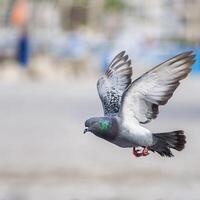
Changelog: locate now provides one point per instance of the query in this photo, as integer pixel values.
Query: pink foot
(137, 152)
(145, 151)
(140, 152)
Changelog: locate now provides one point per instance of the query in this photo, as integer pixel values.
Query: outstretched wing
(112, 85)
(154, 88)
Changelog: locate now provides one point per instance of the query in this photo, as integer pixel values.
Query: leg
(145, 151)
(137, 152)
(140, 152)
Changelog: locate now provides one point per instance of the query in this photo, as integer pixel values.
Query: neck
(108, 129)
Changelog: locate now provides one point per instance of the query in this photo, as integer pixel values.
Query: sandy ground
(44, 155)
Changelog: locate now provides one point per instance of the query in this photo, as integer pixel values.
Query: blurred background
(51, 55)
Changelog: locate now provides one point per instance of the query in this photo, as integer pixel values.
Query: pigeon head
(103, 127)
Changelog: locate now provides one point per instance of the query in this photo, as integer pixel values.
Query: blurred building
(74, 29)
(189, 17)
(169, 19)
(162, 18)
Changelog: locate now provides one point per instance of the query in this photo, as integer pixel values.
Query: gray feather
(112, 85)
(155, 87)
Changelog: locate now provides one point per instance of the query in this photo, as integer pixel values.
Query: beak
(86, 130)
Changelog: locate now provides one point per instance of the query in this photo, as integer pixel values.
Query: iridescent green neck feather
(104, 125)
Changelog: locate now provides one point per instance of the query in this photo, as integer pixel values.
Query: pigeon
(129, 104)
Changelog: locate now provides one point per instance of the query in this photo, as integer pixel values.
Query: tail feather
(164, 142)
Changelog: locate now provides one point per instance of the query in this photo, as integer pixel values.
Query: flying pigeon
(129, 104)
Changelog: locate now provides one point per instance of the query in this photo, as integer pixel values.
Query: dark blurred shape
(78, 16)
(23, 49)
(74, 15)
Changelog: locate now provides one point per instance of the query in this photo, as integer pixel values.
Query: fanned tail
(164, 142)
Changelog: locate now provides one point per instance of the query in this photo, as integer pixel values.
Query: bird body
(121, 134)
(132, 135)
(128, 104)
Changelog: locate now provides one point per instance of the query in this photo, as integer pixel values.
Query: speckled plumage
(112, 85)
(127, 104)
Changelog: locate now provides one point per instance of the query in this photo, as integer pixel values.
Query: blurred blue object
(172, 50)
(76, 46)
(23, 50)
(196, 65)
(104, 52)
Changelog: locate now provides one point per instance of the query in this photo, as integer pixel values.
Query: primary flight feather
(128, 104)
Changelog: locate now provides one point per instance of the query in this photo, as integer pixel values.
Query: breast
(133, 135)
(123, 138)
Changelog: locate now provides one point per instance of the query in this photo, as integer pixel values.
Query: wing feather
(112, 85)
(143, 97)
